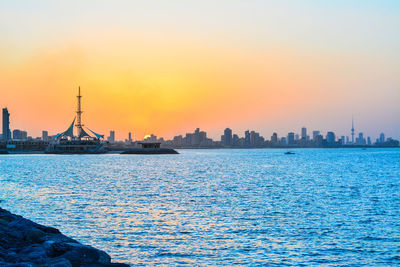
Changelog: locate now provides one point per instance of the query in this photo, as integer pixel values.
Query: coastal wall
(25, 243)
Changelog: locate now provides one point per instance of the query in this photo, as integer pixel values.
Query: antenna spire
(79, 114)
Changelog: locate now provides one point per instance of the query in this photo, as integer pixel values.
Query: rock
(34, 235)
(25, 243)
(58, 262)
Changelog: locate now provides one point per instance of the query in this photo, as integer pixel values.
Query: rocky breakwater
(25, 243)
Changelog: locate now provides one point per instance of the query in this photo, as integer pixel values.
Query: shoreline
(26, 243)
(117, 152)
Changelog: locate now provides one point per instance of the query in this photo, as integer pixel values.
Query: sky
(168, 67)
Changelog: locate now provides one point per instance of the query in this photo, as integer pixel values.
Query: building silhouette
(227, 137)
(111, 138)
(304, 133)
(6, 125)
(330, 138)
(290, 138)
(45, 135)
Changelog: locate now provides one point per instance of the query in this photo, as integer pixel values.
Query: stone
(25, 243)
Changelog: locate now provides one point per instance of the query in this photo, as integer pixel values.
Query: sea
(222, 207)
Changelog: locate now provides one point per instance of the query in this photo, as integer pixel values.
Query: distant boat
(289, 153)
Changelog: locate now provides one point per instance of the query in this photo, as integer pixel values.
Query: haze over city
(168, 67)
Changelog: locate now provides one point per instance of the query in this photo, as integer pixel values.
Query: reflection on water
(217, 207)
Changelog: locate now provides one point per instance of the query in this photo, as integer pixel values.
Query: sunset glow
(183, 65)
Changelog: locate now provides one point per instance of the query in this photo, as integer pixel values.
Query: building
(330, 138)
(314, 135)
(111, 138)
(360, 140)
(304, 133)
(227, 137)
(274, 138)
(130, 137)
(382, 138)
(16, 134)
(319, 140)
(235, 140)
(45, 135)
(6, 125)
(247, 141)
(290, 138)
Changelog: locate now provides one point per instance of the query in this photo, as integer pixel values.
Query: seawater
(217, 207)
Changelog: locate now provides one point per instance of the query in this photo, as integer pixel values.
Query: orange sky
(170, 81)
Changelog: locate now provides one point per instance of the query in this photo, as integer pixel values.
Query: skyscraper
(382, 138)
(227, 137)
(314, 135)
(6, 125)
(290, 138)
(274, 138)
(330, 138)
(130, 137)
(111, 138)
(304, 133)
(247, 140)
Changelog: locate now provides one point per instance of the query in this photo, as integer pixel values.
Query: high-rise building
(130, 137)
(111, 138)
(247, 140)
(235, 140)
(274, 138)
(45, 135)
(314, 135)
(290, 138)
(304, 133)
(6, 125)
(360, 140)
(283, 141)
(330, 138)
(227, 137)
(382, 138)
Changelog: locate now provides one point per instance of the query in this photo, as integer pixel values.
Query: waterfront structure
(6, 125)
(82, 143)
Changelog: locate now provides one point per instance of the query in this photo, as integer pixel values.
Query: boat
(81, 143)
(289, 153)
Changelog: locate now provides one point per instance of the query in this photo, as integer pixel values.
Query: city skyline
(285, 65)
(228, 139)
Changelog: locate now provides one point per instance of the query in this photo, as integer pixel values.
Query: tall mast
(79, 114)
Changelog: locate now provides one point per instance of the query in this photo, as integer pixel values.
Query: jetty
(26, 243)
